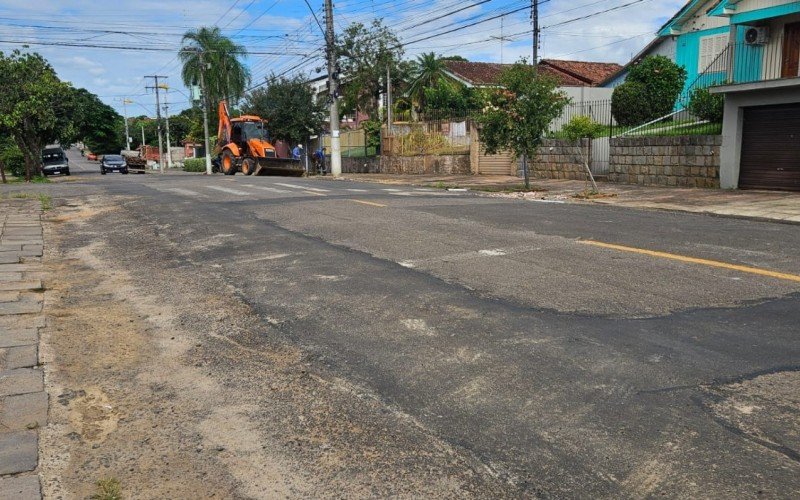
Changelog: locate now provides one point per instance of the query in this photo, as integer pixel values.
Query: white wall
(584, 94)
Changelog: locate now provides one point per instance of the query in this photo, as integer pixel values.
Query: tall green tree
(428, 73)
(220, 60)
(34, 105)
(94, 123)
(520, 112)
(289, 107)
(649, 91)
(364, 56)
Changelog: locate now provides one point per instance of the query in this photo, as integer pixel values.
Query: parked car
(91, 156)
(113, 163)
(54, 161)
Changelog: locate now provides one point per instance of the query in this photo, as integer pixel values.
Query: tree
(578, 129)
(365, 54)
(649, 91)
(444, 96)
(289, 107)
(94, 123)
(428, 73)
(220, 60)
(520, 112)
(34, 105)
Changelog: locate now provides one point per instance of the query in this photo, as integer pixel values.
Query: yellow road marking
(369, 203)
(313, 192)
(695, 260)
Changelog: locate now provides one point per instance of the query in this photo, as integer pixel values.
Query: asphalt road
(573, 350)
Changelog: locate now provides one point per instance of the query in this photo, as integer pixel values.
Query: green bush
(194, 165)
(707, 106)
(629, 104)
(12, 158)
(649, 92)
(582, 127)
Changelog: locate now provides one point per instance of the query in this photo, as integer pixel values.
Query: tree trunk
(526, 173)
(586, 164)
(3, 171)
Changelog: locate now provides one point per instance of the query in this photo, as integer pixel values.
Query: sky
(108, 47)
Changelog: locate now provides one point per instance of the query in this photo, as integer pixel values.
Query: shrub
(194, 165)
(629, 104)
(707, 106)
(12, 158)
(649, 91)
(582, 127)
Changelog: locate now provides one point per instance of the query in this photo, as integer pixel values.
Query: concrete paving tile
(9, 296)
(25, 411)
(13, 337)
(21, 306)
(19, 452)
(16, 241)
(22, 230)
(19, 268)
(6, 276)
(24, 356)
(21, 381)
(9, 257)
(34, 249)
(10, 248)
(20, 285)
(21, 487)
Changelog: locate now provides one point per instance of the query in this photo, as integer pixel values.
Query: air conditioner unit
(758, 35)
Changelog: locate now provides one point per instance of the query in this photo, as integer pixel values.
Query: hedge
(194, 165)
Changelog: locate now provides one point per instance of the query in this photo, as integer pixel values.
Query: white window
(710, 48)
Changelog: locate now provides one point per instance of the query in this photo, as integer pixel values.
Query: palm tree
(429, 70)
(220, 60)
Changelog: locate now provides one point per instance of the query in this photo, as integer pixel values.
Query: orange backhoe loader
(243, 145)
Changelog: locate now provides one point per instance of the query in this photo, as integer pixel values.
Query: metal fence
(353, 144)
(449, 135)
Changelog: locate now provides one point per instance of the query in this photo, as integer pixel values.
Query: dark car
(54, 161)
(113, 163)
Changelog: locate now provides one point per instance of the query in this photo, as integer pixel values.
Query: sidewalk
(23, 402)
(772, 205)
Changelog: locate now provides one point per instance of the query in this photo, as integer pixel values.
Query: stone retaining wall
(427, 164)
(365, 165)
(687, 161)
(560, 159)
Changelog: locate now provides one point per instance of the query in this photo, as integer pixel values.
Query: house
(760, 79)
(578, 79)
(748, 50)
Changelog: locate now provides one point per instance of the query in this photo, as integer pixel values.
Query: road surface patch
(266, 188)
(368, 203)
(230, 191)
(295, 186)
(694, 260)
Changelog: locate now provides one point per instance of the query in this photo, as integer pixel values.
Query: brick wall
(427, 164)
(687, 161)
(560, 159)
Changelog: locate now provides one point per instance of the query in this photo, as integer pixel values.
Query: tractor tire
(248, 166)
(228, 163)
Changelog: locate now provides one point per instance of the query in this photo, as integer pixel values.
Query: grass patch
(45, 199)
(516, 188)
(37, 179)
(443, 185)
(108, 489)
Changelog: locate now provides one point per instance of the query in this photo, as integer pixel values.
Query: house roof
(635, 59)
(568, 73)
(689, 9)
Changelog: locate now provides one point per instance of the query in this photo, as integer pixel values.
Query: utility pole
(389, 104)
(535, 21)
(502, 39)
(144, 144)
(156, 87)
(125, 103)
(204, 103)
(330, 40)
(166, 118)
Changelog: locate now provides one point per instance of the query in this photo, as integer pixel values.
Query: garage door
(771, 148)
(499, 164)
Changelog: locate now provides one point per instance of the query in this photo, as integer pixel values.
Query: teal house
(749, 51)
